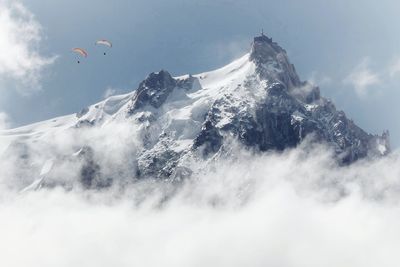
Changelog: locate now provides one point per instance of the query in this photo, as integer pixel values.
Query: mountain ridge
(258, 100)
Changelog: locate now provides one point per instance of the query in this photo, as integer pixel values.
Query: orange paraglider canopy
(80, 51)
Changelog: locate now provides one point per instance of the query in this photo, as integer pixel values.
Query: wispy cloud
(109, 92)
(229, 50)
(20, 36)
(362, 78)
(4, 121)
(394, 69)
(319, 79)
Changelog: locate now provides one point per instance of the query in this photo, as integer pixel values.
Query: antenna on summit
(262, 32)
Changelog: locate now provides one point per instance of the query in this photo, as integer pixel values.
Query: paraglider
(105, 43)
(81, 52)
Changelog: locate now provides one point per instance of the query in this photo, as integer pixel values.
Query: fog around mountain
(291, 209)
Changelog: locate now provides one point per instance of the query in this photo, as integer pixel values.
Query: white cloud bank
(268, 211)
(20, 36)
(291, 209)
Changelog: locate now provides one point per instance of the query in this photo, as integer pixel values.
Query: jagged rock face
(272, 62)
(154, 90)
(258, 100)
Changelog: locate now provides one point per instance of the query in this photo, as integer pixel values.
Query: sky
(350, 48)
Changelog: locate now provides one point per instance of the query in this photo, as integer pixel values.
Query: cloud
(362, 78)
(394, 69)
(295, 208)
(4, 121)
(20, 36)
(275, 210)
(228, 50)
(319, 79)
(109, 92)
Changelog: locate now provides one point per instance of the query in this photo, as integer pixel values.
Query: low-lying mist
(294, 208)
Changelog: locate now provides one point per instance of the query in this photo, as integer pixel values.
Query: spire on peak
(262, 38)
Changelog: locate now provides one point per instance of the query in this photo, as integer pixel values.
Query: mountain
(257, 100)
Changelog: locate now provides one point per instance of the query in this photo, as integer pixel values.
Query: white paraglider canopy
(104, 42)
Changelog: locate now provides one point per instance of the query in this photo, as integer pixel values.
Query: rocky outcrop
(154, 90)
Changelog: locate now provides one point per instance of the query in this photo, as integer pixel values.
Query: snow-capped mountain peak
(258, 100)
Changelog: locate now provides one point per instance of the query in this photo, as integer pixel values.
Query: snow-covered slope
(258, 100)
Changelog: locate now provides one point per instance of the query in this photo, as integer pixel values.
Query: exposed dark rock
(272, 62)
(82, 112)
(154, 90)
(189, 83)
(90, 170)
